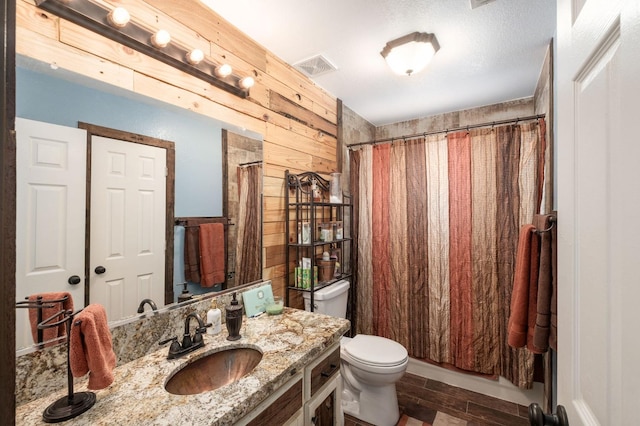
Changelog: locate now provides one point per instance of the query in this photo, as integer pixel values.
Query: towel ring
(552, 220)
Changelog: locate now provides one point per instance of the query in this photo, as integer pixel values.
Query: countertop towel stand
(39, 304)
(73, 404)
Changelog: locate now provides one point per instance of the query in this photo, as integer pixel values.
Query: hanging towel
(525, 288)
(553, 331)
(212, 255)
(192, 251)
(546, 283)
(91, 349)
(52, 332)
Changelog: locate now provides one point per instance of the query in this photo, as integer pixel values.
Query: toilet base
(377, 405)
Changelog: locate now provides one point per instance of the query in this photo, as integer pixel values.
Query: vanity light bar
(96, 18)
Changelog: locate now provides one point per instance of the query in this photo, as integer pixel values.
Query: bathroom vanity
(297, 379)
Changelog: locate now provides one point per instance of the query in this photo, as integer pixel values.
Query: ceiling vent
(477, 3)
(315, 66)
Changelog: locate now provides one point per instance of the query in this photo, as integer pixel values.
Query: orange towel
(525, 289)
(52, 332)
(212, 255)
(91, 349)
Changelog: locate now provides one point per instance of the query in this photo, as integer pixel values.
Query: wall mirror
(210, 157)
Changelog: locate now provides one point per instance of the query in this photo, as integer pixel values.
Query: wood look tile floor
(439, 404)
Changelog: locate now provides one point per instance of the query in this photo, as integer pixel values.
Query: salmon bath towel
(212, 255)
(525, 289)
(62, 301)
(91, 348)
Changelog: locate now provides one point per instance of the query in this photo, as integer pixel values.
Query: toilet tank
(330, 300)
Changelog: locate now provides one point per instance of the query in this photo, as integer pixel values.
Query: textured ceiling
(489, 54)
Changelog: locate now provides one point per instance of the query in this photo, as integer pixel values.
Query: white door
(50, 214)
(598, 204)
(128, 205)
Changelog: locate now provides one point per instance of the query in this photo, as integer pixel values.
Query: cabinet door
(324, 408)
(324, 414)
(281, 408)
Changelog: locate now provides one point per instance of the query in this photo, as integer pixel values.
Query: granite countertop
(137, 396)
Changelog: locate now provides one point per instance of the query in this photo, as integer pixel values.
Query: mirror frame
(8, 213)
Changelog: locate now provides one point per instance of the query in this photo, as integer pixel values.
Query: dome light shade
(411, 53)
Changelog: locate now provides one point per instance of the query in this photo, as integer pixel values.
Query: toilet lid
(376, 350)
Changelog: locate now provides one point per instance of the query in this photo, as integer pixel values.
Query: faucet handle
(203, 329)
(197, 337)
(164, 342)
(175, 345)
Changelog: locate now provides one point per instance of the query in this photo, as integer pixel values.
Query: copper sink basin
(213, 371)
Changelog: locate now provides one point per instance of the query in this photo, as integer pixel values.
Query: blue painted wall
(198, 139)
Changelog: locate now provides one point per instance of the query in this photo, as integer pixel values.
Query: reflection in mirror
(243, 204)
(63, 98)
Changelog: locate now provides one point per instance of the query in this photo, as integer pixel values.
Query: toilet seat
(376, 351)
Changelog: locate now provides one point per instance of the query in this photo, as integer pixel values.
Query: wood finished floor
(422, 399)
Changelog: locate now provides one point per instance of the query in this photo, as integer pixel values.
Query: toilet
(370, 366)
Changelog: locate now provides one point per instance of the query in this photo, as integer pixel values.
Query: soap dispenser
(233, 319)
(185, 294)
(214, 318)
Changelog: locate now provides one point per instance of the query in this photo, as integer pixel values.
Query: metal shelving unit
(303, 209)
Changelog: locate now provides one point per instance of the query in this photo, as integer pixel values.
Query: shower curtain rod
(453, 129)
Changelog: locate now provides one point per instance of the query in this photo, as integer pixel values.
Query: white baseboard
(502, 388)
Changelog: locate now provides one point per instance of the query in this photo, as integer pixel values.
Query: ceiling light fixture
(115, 24)
(411, 53)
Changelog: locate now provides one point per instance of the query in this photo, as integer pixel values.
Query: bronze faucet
(149, 302)
(189, 344)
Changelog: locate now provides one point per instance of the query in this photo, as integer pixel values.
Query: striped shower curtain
(436, 227)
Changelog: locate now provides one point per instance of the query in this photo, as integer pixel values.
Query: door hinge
(166, 171)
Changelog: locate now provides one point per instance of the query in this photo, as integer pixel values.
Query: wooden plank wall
(297, 119)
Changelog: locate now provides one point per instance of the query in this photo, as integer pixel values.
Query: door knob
(74, 279)
(100, 270)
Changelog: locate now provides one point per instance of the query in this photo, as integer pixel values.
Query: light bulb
(223, 70)
(160, 39)
(118, 17)
(195, 56)
(247, 82)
